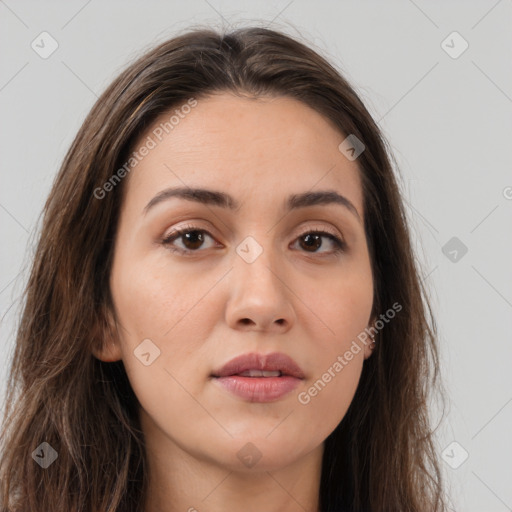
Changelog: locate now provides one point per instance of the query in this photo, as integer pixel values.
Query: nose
(260, 297)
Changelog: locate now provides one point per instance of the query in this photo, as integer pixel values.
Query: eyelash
(340, 245)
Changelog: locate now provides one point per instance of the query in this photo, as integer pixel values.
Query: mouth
(254, 365)
(260, 373)
(260, 378)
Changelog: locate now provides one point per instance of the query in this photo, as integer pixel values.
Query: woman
(224, 310)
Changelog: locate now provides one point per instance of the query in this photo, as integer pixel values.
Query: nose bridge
(258, 290)
(257, 262)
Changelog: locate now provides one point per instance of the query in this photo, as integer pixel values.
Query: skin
(204, 309)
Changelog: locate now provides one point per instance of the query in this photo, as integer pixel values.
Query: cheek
(153, 304)
(342, 305)
(152, 301)
(172, 310)
(339, 310)
(342, 309)
(339, 354)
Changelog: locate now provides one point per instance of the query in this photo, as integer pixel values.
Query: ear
(105, 344)
(370, 343)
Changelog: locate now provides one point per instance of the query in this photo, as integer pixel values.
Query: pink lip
(253, 361)
(260, 389)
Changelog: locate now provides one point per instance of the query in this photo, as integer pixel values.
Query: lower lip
(259, 389)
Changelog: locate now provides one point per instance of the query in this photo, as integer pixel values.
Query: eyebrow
(223, 200)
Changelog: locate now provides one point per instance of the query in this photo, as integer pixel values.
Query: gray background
(448, 122)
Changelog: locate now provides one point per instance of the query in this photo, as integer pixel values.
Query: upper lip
(264, 362)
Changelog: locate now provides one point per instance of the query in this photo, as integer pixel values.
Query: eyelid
(186, 227)
(301, 231)
(322, 228)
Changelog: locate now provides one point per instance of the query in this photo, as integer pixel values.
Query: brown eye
(313, 241)
(191, 238)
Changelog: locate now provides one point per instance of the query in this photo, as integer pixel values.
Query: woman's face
(248, 277)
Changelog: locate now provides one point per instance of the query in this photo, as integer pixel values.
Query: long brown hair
(381, 457)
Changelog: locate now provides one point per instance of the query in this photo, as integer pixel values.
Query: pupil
(190, 238)
(313, 238)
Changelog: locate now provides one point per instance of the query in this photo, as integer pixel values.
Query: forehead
(264, 147)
